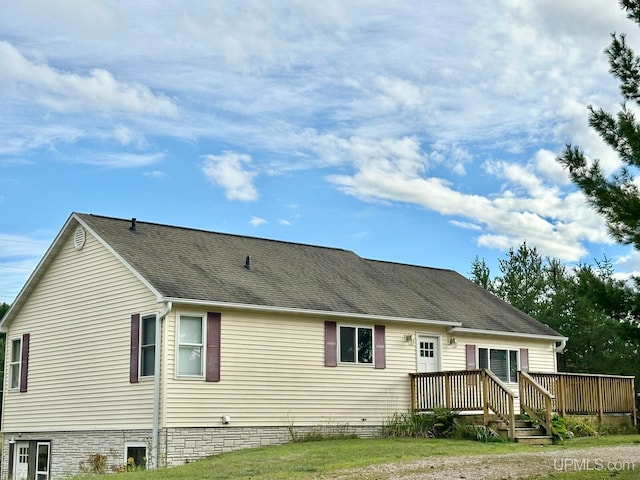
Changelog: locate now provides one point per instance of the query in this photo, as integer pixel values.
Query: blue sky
(419, 131)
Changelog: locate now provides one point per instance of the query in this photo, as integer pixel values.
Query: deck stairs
(525, 432)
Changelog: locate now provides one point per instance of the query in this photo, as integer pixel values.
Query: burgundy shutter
(24, 360)
(212, 371)
(524, 359)
(330, 344)
(379, 347)
(134, 355)
(471, 357)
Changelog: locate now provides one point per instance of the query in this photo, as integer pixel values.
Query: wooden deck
(539, 394)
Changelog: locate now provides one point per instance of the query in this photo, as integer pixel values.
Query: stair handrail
(505, 412)
(533, 394)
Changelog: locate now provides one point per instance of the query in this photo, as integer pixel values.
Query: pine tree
(616, 197)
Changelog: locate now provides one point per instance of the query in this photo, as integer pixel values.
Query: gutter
(532, 336)
(311, 313)
(560, 348)
(156, 385)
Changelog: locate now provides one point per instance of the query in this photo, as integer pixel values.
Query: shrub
(95, 464)
(439, 423)
(559, 428)
(581, 427)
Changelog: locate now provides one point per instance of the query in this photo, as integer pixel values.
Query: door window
(42, 465)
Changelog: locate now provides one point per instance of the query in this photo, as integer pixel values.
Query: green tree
(523, 282)
(614, 195)
(480, 274)
(599, 313)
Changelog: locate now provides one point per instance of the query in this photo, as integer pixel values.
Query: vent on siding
(79, 238)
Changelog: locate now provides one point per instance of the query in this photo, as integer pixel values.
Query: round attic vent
(79, 238)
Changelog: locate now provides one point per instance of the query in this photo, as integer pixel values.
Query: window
(23, 454)
(135, 456)
(42, 465)
(504, 363)
(190, 346)
(16, 358)
(147, 346)
(356, 345)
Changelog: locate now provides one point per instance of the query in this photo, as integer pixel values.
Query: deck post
(414, 399)
(485, 396)
(600, 401)
(633, 402)
(447, 391)
(561, 393)
(512, 419)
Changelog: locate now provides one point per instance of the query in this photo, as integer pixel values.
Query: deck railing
(589, 394)
(464, 390)
(540, 394)
(500, 399)
(536, 401)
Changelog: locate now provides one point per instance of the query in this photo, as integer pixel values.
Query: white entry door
(21, 461)
(428, 353)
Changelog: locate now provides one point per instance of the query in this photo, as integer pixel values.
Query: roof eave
(46, 260)
(536, 336)
(34, 277)
(308, 312)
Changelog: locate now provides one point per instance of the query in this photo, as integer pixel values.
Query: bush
(439, 423)
(559, 428)
(581, 427)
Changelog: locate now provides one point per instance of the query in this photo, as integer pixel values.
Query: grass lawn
(324, 459)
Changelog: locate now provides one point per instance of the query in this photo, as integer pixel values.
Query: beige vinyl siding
(273, 373)
(78, 317)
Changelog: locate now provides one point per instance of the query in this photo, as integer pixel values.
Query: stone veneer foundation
(177, 445)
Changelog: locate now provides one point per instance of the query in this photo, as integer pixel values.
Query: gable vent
(79, 238)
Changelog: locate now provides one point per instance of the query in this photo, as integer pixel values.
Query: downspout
(156, 386)
(560, 348)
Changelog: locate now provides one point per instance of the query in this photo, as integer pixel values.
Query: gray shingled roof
(183, 263)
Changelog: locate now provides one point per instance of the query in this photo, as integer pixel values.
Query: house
(167, 344)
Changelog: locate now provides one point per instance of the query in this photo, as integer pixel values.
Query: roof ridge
(235, 235)
(390, 262)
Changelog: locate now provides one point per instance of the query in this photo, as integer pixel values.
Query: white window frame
(128, 445)
(15, 364)
(143, 346)
(203, 323)
(506, 349)
(356, 361)
(47, 473)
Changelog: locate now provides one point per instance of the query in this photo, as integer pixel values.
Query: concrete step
(535, 439)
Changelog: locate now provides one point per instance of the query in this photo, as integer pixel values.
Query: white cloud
(257, 221)
(526, 209)
(122, 160)
(396, 93)
(545, 164)
(465, 225)
(72, 92)
(228, 172)
(126, 136)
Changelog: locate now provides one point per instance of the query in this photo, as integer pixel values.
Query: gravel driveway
(516, 465)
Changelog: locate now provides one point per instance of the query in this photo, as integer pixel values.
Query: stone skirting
(71, 451)
(183, 444)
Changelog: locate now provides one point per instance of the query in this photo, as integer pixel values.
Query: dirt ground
(517, 465)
